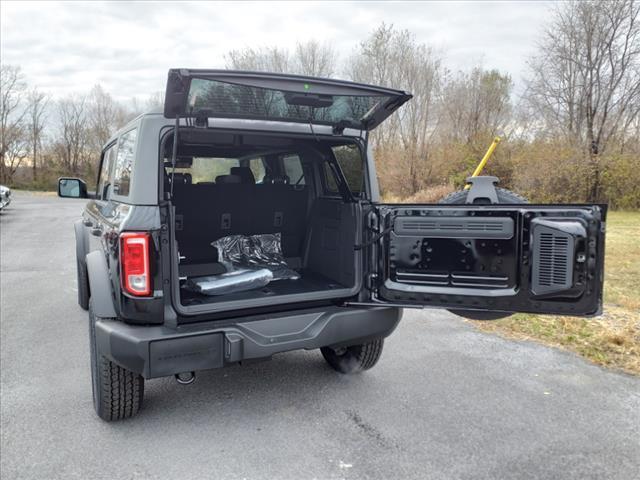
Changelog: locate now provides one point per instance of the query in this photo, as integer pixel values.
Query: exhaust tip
(185, 378)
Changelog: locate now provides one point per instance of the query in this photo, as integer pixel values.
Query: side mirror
(72, 188)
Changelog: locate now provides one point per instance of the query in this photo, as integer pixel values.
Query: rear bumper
(157, 351)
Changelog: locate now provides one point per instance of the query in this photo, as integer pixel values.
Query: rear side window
(105, 176)
(124, 163)
(293, 169)
(257, 168)
(350, 161)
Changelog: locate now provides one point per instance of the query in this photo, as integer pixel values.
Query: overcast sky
(66, 47)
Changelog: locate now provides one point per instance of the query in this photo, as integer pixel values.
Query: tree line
(571, 135)
(43, 138)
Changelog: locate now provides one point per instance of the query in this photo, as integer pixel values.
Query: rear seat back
(245, 174)
(206, 212)
(280, 208)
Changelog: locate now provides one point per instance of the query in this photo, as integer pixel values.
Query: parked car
(245, 220)
(5, 196)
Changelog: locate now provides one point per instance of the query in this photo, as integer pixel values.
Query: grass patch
(613, 339)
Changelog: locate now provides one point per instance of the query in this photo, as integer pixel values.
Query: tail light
(134, 255)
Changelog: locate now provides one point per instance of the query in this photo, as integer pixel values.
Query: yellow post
(484, 160)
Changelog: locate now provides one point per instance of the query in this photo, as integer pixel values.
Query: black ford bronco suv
(245, 221)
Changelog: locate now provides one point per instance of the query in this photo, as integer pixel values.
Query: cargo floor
(307, 283)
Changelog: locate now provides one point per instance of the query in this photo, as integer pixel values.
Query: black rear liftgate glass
(201, 94)
(538, 259)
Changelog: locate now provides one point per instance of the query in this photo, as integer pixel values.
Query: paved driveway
(445, 401)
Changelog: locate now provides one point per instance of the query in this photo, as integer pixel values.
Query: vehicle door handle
(97, 231)
(87, 223)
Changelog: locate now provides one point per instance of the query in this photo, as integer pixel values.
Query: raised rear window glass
(124, 163)
(241, 101)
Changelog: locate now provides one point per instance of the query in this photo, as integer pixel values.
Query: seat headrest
(245, 174)
(182, 178)
(276, 179)
(281, 179)
(228, 179)
(184, 162)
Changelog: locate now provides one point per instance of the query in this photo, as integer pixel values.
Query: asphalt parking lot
(445, 401)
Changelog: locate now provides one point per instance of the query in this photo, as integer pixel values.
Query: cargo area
(246, 186)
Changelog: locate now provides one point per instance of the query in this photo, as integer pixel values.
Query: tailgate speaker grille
(553, 253)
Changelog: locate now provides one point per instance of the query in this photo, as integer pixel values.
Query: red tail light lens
(134, 255)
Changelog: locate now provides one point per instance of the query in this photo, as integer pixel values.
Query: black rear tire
(355, 358)
(460, 197)
(117, 392)
(83, 285)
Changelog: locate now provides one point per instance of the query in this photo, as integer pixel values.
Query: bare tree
(74, 132)
(155, 100)
(105, 116)
(37, 102)
(133, 108)
(476, 106)
(373, 61)
(314, 59)
(585, 81)
(137, 106)
(263, 59)
(12, 128)
(393, 57)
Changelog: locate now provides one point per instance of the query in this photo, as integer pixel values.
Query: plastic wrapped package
(254, 252)
(234, 281)
(251, 263)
